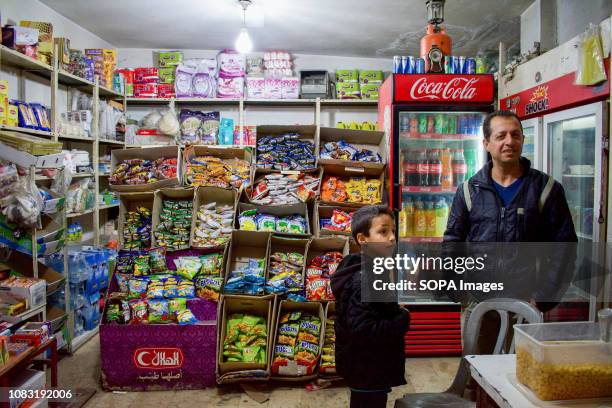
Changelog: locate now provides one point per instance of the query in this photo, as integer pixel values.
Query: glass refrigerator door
(532, 130)
(573, 157)
(437, 152)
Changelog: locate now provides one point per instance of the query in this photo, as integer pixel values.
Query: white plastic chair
(453, 396)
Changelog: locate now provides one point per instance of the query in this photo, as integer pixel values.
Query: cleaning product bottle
(447, 168)
(441, 210)
(430, 219)
(410, 218)
(420, 222)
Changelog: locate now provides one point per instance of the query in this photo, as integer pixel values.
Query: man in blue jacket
(508, 201)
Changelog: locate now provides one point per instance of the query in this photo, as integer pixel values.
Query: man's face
(506, 142)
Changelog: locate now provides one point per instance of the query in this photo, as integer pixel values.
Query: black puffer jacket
(369, 336)
(489, 221)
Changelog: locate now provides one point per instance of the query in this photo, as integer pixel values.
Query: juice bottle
(420, 223)
(441, 210)
(409, 209)
(447, 168)
(403, 222)
(430, 219)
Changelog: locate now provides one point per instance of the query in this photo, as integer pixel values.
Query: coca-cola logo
(155, 358)
(459, 88)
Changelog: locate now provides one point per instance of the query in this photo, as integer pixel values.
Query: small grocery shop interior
(178, 183)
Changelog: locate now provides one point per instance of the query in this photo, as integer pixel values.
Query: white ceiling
(363, 28)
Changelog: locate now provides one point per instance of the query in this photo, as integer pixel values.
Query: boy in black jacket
(369, 336)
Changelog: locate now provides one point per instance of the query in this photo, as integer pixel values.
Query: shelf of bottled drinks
(438, 152)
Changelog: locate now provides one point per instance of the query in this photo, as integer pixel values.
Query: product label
(459, 168)
(422, 168)
(435, 168)
(158, 358)
(410, 168)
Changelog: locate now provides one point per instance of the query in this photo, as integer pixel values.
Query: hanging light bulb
(243, 43)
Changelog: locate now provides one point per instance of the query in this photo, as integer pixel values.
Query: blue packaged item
(41, 114)
(226, 132)
(91, 263)
(296, 297)
(25, 115)
(185, 317)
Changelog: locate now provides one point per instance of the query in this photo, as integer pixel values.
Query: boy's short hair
(362, 219)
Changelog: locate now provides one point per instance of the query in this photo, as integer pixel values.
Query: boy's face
(381, 230)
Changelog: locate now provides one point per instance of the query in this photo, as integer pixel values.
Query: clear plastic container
(563, 361)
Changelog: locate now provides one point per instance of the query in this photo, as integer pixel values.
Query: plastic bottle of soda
(409, 210)
(470, 162)
(423, 168)
(420, 222)
(410, 168)
(441, 124)
(414, 123)
(403, 222)
(441, 210)
(451, 124)
(459, 167)
(422, 122)
(435, 168)
(431, 124)
(404, 125)
(430, 219)
(447, 168)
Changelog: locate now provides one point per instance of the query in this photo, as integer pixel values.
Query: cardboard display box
(130, 202)
(345, 173)
(360, 139)
(247, 244)
(222, 152)
(177, 194)
(278, 211)
(329, 372)
(245, 197)
(293, 371)
(307, 133)
(286, 245)
(265, 306)
(152, 153)
(207, 195)
(323, 245)
(326, 211)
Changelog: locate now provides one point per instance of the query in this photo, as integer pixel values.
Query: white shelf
(114, 142)
(19, 60)
(134, 146)
(25, 130)
(579, 175)
(79, 214)
(66, 78)
(25, 315)
(81, 175)
(345, 102)
(104, 207)
(104, 91)
(76, 138)
(78, 341)
(23, 159)
(294, 102)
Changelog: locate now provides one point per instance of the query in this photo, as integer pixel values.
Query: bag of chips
(159, 311)
(137, 288)
(188, 267)
(157, 258)
(138, 311)
(185, 317)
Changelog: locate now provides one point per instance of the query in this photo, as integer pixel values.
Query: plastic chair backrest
(470, 338)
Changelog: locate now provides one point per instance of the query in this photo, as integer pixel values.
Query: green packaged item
(346, 90)
(157, 259)
(261, 358)
(166, 75)
(113, 314)
(311, 325)
(290, 317)
(250, 354)
(188, 267)
(208, 287)
(259, 330)
(232, 329)
(212, 264)
(141, 265)
(137, 288)
(155, 290)
(185, 317)
(367, 76)
(176, 305)
(159, 311)
(171, 288)
(347, 75)
(169, 58)
(186, 289)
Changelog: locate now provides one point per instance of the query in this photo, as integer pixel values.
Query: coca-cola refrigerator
(433, 124)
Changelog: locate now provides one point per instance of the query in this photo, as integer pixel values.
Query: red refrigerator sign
(444, 89)
(559, 93)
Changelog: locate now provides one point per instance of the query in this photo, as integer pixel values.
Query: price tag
(354, 169)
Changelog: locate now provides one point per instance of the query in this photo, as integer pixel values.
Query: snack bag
(209, 287)
(171, 288)
(309, 330)
(122, 281)
(137, 288)
(141, 266)
(288, 333)
(212, 264)
(185, 317)
(188, 267)
(307, 353)
(159, 311)
(138, 311)
(186, 289)
(157, 257)
(155, 289)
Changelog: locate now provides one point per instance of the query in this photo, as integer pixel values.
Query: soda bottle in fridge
(431, 123)
(470, 162)
(447, 168)
(403, 222)
(420, 222)
(440, 124)
(411, 173)
(423, 168)
(459, 167)
(414, 123)
(422, 123)
(409, 210)
(404, 125)
(435, 168)
(451, 124)
(430, 219)
(441, 210)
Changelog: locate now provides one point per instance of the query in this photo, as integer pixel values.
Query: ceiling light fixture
(244, 44)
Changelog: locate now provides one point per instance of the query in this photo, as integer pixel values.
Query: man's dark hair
(362, 219)
(486, 124)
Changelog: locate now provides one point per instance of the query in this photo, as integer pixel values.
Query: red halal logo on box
(154, 358)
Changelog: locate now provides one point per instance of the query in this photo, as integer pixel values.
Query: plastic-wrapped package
(231, 64)
(8, 179)
(591, 68)
(169, 124)
(24, 205)
(151, 120)
(183, 81)
(204, 80)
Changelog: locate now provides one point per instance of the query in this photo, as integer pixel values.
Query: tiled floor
(83, 370)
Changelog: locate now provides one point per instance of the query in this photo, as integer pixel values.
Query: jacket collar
(483, 177)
